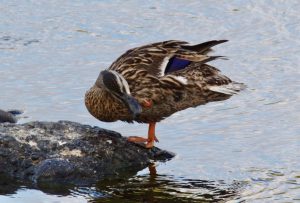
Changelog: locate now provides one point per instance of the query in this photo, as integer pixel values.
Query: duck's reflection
(152, 170)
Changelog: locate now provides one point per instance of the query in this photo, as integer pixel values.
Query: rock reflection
(151, 188)
(10, 186)
(7, 185)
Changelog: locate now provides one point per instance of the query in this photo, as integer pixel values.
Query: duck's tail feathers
(211, 58)
(205, 47)
(229, 89)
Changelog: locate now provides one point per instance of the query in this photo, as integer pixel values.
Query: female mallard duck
(149, 83)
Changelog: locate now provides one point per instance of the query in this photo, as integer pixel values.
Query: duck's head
(117, 86)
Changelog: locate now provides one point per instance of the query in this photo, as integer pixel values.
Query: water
(246, 148)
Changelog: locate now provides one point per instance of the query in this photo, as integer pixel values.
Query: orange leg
(151, 137)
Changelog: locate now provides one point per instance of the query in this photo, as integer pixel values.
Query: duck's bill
(132, 104)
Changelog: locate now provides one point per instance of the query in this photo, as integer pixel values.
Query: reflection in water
(7, 185)
(164, 188)
(151, 187)
(154, 187)
(10, 43)
(10, 186)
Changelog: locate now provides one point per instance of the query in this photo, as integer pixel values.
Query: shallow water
(245, 148)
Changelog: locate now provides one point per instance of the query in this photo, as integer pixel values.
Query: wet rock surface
(66, 151)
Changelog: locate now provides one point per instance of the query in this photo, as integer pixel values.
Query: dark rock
(7, 117)
(69, 152)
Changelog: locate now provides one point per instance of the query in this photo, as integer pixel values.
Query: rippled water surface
(244, 148)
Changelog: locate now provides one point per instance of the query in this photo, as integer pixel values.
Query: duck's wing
(151, 58)
(207, 78)
(158, 71)
(161, 58)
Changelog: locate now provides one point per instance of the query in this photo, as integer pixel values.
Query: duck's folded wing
(152, 58)
(161, 58)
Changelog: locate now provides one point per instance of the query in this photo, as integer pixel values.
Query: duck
(149, 83)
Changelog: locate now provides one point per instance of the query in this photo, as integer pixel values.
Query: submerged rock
(66, 151)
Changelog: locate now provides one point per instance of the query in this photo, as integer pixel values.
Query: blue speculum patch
(176, 64)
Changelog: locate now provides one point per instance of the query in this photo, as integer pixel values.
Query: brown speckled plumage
(143, 69)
